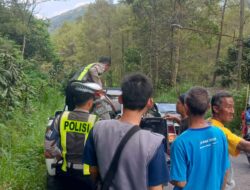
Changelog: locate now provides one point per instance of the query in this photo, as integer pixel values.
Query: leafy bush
(21, 144)
(11, 76)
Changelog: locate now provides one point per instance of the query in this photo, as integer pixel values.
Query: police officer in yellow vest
(90, 73)
(66, 137)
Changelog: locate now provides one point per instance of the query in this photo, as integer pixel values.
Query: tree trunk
(171, 54)
(122, 68)
(240, 43)
(177, 57)
(219, 40)
(150, 51)
(23, 46)
(110, 73)
(175, 53)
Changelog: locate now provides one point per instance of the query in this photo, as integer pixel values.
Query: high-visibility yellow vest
(74, 126)
(84, 72)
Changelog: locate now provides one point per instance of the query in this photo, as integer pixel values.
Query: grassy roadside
(21, 144)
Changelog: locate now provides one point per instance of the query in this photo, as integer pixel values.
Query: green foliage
(140, 36)
(38, 43)
(25, 52)
(21, 143)
(239, 107)
(132, 60)
(10, 76)
(18, 23)
(226, 68)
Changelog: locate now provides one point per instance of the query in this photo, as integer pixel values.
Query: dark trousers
(72, 180)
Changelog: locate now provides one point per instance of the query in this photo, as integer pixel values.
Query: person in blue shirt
(199, 156)
(143, 163)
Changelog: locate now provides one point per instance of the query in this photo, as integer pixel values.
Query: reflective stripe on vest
(85, 71)
(74, 126)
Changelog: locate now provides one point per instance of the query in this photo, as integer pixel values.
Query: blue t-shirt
(157, 169)
(200, 158)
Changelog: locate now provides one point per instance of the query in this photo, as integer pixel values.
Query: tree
(228, 66)
(219, 39)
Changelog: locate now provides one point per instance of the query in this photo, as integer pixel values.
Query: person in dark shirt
(143, 163)
(183, 119)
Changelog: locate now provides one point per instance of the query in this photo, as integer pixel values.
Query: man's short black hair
(197, 100)
(105, 60)
(136, 91)
(80, 99)
(216, 98)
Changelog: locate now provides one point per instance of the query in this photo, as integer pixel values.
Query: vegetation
(173, 42)
(21, 144)
(178, 44)
(29, 93)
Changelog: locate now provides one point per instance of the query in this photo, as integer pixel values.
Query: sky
(52, 8)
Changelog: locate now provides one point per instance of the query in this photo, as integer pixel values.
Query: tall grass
(22, 164)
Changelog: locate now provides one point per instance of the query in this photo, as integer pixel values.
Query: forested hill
(69, 16)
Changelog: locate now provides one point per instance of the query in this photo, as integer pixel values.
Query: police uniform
(65, 139)
(90, 73)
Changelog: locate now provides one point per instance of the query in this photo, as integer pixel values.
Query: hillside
(69, 16)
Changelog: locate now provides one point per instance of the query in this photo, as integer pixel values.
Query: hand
(172, 117)
(48, 155)
(169, 117)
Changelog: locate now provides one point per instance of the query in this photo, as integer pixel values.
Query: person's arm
(233, 142)
(159, 187)
(51, 140)
(225, 180)
(94, 173)
(157, 169)
(89, 156)
(225, 161)
(172, 117)
(95, 75)
(178, 165)
(180, 184)
(244, 146)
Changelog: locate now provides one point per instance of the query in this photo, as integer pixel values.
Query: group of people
(117, 154)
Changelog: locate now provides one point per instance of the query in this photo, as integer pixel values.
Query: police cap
(80, 87)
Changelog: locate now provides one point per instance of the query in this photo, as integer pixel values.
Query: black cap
(105, 60)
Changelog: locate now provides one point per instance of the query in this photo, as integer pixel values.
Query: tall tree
(219, 40)
(240, 42)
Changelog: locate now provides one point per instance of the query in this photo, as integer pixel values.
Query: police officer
(90, 73)
(66, 137)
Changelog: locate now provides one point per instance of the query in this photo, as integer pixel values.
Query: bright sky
(52, 8)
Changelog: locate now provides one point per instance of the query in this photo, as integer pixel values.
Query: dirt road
(241, 173)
